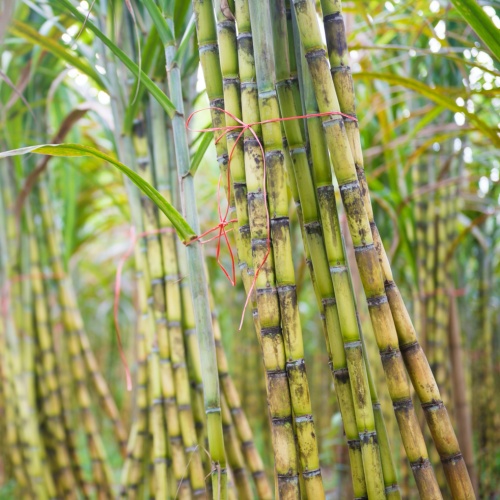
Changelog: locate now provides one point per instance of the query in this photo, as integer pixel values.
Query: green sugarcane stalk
(217, 90)
(337, 253)
(341, 289)
(282, 274)
(135, 468)
(166, 417)
(344, 146)
(198, 283)
(66, 467)
(174, 310)
(79, 351)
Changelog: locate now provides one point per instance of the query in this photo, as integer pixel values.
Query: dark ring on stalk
(456, 457)
(165, 361)
(304, 419)
(181, 364)
(286, 288)
(250, 85)
(191, 449)
(403, 404)
(142, 433)
(413, 346)
(251, 140)
(338, 269)
(288, 477)
(217, 103)
(332, 17)
(311, 473)
(432, 405)
(172, 277)
(247, 444)
(173, 324)
(258, 473)
(244, 229)
(231, 80)
(376, 301)
(157, 401)
(353, 345)
(376, 406)
(343, 69)
(209, 47)
(421, 463)
(354, 444)
(157, 281)
(199, 492)
(222, 159)
(212, 410)
(235, 411)
(329, 301)
(366, 436)
(244, 35)
(226, 427)
(271, 331)
(227, 24)
(391, 488)
(360, 498)
(313, 226)
(143, 161)
(268, 290)
(161, 460)
(390, 285)
(390, 352)
(349, 186)
(315, 54)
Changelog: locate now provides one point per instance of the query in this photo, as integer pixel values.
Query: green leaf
(437, 94)
(182, 228)
(154, 90)
(149, 54)
(166, 35)
(200, 152)
(481, 23)
(22, 30)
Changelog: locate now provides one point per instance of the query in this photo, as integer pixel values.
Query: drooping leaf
(481, 23)
(78, 150)
(22, 30)
(154, 90)
(438, 95)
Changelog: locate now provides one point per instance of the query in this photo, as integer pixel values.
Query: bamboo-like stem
(341, 290)
(281, 324)
(78, 347)
(390, 318)
(174, 310)
(198, 283)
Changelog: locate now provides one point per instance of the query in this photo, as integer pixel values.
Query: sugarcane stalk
(343, 137)
(79, 351)
(198, 284)
(281, 274)
(174, 309)
(341, 289)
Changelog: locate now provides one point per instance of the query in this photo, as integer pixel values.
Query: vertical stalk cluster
(51, 374)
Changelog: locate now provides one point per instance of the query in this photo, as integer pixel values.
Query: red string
(243, 127)
(134, 238)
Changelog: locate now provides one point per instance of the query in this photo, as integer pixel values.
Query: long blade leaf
(155, 91)
(182, 228)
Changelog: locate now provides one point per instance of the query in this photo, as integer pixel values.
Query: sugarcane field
(249, 249)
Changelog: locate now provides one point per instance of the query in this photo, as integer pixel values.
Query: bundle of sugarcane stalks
(287, 139)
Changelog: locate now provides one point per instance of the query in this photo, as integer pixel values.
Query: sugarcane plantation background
(250, 249)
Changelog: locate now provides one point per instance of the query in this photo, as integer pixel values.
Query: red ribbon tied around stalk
(242, 127)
